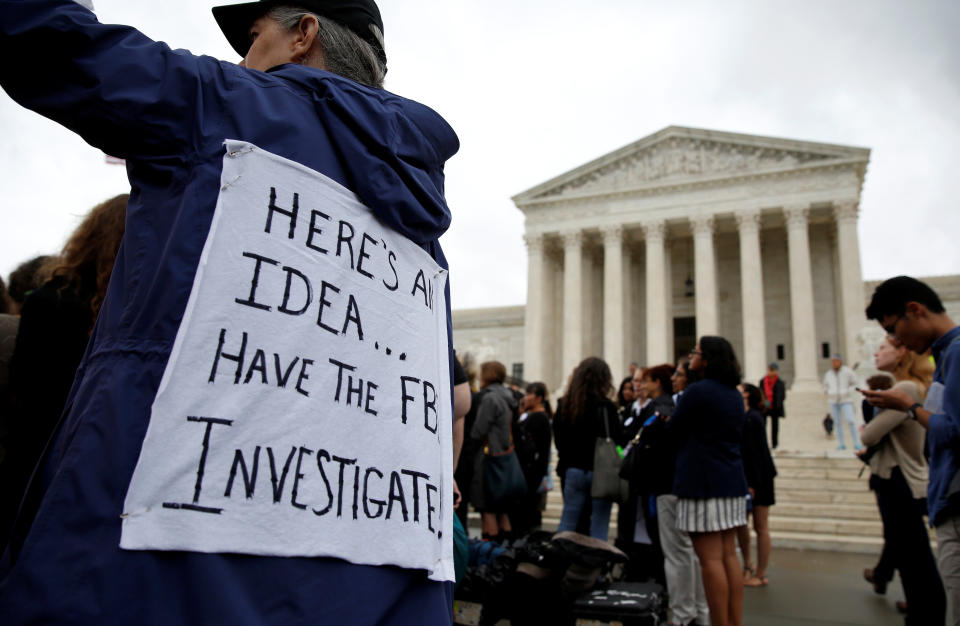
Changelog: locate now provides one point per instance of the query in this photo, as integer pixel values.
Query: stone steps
(823, 503)
(824, 497)
(848, 511)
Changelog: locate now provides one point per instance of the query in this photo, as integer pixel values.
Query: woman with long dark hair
(709, 481)
(760, 471)
(580, 420)
(898, 475)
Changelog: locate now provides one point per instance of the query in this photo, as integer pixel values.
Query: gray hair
(344, 52)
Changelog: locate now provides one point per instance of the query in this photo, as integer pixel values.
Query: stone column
(751, 290)
(851, 282)
(572, 301)
(657, 293)
(801, 301)
(705, 275)
(534, 324)
(613, 297)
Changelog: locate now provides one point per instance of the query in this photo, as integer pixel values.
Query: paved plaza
(808, 587)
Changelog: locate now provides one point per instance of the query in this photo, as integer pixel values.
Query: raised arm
(121, 91)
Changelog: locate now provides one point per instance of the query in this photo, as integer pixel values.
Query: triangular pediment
(677, 155)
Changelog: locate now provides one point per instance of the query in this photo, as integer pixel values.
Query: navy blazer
(708, 425)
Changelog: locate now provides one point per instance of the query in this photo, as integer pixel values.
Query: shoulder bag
(607, 484)
(503, 478)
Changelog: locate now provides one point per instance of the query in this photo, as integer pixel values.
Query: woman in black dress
(760, 471)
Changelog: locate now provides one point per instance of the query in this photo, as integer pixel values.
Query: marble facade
(690, 232)
(763, 229)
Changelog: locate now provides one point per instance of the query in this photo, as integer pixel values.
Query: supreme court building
(689, 232)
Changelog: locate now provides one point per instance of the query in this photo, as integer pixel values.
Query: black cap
(357, 15)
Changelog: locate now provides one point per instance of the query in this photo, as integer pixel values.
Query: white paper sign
(305, 408)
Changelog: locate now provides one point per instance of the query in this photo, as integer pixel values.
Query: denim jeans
(843, 412)
(948, 560)
(576, 495)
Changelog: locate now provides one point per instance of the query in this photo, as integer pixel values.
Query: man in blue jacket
(310, 92)
(912, 313)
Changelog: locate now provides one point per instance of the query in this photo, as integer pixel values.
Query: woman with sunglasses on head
(898, 476)
(709, 481)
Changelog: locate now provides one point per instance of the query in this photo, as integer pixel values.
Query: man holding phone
(912, 313)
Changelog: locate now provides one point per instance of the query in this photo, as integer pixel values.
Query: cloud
(536, 88)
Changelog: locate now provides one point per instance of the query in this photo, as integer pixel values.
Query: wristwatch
(912, 411)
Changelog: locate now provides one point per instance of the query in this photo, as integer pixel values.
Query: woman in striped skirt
(709, 482)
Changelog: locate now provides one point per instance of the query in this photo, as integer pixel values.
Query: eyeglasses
(695, 352)
(891, 329)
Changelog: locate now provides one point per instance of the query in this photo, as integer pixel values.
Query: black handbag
(639, 466)
(631, 464)
(503, 478)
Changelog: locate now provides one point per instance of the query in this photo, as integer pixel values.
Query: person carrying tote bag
(503, 477)
(578, 424)
(607, 484)
(496, 461)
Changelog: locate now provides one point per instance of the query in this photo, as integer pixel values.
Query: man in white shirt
(840, 385)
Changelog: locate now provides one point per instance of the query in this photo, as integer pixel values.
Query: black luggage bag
(630, 604)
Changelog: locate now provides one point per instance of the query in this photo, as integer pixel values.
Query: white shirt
(840, 385)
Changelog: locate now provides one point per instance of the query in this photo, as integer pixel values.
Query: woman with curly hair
(578, 423)
(55, 325)
(709, 482)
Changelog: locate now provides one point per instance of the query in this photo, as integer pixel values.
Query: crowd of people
(696, 463)
(697, 467)
(699, 471)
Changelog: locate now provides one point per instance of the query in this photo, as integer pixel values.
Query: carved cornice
(702, 224)
(684, 157)
(796, 217)
(808, 178)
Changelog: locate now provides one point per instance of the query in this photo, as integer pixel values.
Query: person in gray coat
(496, 406)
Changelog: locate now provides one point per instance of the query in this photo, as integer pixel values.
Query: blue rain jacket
(168, 112)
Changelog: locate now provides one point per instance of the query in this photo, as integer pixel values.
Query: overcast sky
(535, 88)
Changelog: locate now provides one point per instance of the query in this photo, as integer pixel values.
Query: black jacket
(775, 407)
(576, 439)
(757, 462)
(532, 437)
